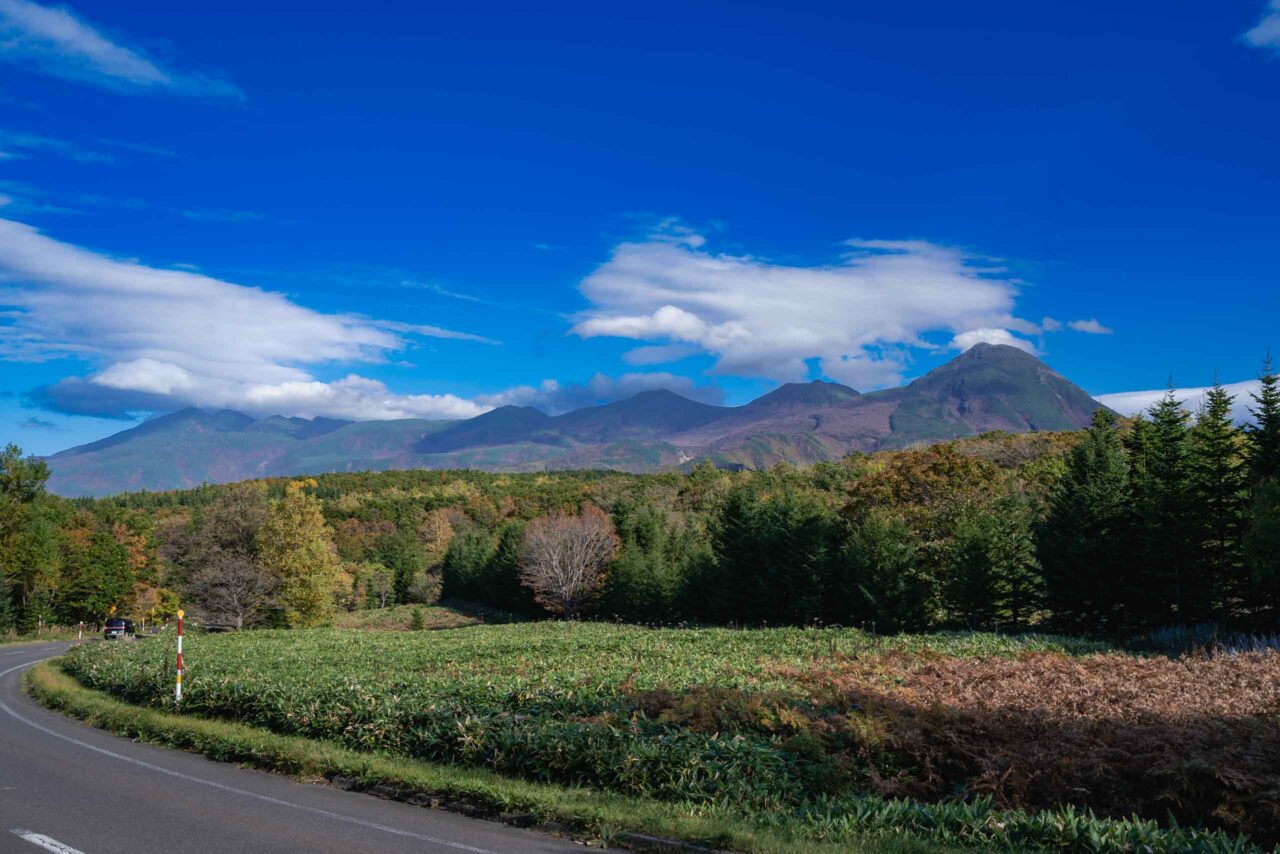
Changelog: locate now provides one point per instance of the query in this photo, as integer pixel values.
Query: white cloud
(1267, 33)
(167, 338)
(16, 141)
(1048, 324)
(965, 340)
(659, 354)
(554, 397)
(55, 41)
(1133, 402)
(857, 316)
(1090, 326)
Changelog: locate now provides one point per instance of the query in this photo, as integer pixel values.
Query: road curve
(69, 788)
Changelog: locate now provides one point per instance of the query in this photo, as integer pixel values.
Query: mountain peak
(810, 395)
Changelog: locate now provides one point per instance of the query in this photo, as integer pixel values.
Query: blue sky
(420, 211)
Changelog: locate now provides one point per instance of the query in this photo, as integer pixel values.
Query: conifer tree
(1217, 481)
(1142, 609)
(993, 577)
(1168, 535)
(1081, 547)
(1262, 552)
(1264, 433)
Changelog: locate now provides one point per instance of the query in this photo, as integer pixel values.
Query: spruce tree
(1217, 482)
(1142, 609)
(993, 577)
(1262, 552)
(1081, 544)
(1168, 535)
(1264, 433)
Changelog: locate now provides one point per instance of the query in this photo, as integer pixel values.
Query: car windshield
(115, 624)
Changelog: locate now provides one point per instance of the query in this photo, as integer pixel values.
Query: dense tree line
(1169, 518)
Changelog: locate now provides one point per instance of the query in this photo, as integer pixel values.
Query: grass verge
(49, 636)
(584, 814)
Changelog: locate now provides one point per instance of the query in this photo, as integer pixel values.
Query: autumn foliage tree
(295, 546)
(564, 559)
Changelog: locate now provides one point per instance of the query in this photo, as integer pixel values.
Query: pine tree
(294, 545)
(1264, 433)
(1081, 544)
(1217, 484)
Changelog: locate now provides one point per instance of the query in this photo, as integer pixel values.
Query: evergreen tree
(775, 549)
(295, 546)
(1264, 433)
(658, 557)
(465, 564)
(403, 554)
(1262, 552)
(880, 581)
(1141, 606)
(1081, 544)
(1166, 515)
(1217, 482)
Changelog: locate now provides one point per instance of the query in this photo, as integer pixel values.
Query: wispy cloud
(859, 315)
(1090, 326)
(224, 216)
(14, 141)
(1267, 32)
(55, 41)
(37, 423)
(555, 397)
(162, 338)
(140, 147)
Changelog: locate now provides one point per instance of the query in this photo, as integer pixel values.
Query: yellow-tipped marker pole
(177, 688)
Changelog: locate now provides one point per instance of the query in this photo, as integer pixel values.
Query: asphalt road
(69, 788)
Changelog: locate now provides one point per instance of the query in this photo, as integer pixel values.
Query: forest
(1167, 521)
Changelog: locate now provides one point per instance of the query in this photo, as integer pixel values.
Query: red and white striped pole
(177, 688)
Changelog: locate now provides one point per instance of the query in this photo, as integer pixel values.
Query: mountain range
(988, 387)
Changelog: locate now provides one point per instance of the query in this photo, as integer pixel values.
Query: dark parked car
(116, 629)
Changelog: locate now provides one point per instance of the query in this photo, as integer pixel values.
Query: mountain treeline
(1171, 518)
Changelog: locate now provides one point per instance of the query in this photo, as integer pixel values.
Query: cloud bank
(858, 316)
(169, 338)
(1133, 402)
(53, 40)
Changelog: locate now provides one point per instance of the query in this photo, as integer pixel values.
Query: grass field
(822, 734)
(399, 618)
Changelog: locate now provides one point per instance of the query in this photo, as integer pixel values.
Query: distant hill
(989, 387)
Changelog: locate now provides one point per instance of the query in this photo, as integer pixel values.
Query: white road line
(45, 842)
(359, 822)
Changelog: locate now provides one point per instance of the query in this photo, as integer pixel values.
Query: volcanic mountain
(989, 387)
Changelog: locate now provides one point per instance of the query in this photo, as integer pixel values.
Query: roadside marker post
(80, 633)
(177, 688)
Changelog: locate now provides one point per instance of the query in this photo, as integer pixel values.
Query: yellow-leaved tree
(296, 546)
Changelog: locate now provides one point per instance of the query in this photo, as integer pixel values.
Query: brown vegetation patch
(1196, 738)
